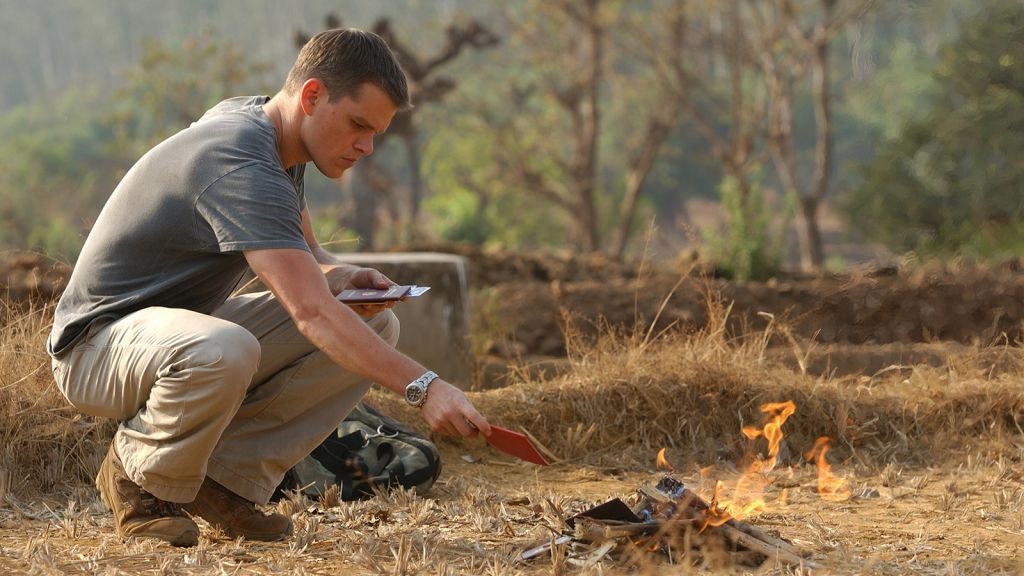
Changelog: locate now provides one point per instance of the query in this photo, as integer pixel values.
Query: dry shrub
(694, 392)
(50, 446)
(626, 394)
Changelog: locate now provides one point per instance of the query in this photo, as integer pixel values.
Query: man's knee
(387, 326)
(229, 349)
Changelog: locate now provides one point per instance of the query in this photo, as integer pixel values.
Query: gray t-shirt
(173, 231)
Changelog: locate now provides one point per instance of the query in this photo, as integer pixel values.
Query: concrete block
(435, 326)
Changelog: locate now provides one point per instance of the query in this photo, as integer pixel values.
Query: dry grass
(693, 392)
(939, 449)
(48, 447)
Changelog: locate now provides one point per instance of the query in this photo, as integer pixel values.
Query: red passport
(515, 444)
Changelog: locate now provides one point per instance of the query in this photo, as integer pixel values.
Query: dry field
(933, 458)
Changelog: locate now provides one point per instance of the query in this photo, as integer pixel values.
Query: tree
(577, 73)
(172, 85)
(547, 126)
(427, 86)
(743, 99)
(953, 181)
(64, 156)
(806, 51)
(709, 61)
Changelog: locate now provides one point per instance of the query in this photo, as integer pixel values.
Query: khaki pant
(239, 395)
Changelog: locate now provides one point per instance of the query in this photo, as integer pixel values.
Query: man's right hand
(448, 411)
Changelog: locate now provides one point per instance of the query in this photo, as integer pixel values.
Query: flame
(778, 413)
(662, 463)
(745, 496)
(748, 493)
(830, 487)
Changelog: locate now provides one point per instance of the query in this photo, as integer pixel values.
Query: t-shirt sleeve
(255, 207)
(298, 174)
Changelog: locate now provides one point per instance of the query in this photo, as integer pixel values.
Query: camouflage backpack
(369, 450)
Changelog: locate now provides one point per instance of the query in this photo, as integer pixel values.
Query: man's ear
(312, 93)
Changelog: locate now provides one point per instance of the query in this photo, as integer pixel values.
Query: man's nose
(365, 145)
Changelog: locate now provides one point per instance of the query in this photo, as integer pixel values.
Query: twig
(547, 453)
(750, 542)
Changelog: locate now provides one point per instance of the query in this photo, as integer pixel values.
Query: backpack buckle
(383, 431)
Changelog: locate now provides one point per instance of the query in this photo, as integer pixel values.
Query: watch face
(414, 394)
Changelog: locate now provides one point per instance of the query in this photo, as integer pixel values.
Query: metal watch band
(416, 391)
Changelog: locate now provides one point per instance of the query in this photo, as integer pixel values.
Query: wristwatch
(416, 391)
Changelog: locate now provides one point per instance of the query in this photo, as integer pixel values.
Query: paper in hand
(516, 444)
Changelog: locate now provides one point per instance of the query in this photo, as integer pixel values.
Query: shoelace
(236, 501)
(158, 506)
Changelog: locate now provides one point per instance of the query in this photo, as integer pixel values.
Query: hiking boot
(237, 516)
(137, 512)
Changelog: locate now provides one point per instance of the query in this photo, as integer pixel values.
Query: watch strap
(421, 383)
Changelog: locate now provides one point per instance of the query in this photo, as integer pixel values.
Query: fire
(662, 463)
(778, 413)
(717, 513)
(830, 487)
(745, 496)
(747, 493)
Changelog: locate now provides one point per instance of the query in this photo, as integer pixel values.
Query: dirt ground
(918, 376)
(953, 518)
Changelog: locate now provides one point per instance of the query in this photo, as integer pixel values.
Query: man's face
(337, 134)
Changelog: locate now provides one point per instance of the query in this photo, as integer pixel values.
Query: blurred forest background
(766, 134)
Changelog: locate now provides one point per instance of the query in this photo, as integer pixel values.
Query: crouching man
(218, 396)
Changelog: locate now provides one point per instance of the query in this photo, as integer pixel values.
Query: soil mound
(522, 300)
(27, 276)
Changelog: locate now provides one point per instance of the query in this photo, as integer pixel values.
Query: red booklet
(516, 444)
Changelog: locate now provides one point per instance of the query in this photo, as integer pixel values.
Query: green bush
(952, 182)
(752, 246)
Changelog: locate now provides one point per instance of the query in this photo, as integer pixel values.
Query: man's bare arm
(297, 281)
(322, 256)
(354, 276)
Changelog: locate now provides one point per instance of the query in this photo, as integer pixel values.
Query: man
(219, 396)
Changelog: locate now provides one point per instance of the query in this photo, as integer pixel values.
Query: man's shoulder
(236, 105)
(233, 134)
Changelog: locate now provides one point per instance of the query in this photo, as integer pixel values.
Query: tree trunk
(364, 220)
(812, 256)
(639, 167)
(812, 253)
(412, 148)
(591, 122)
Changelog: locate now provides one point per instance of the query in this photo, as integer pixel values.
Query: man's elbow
(313, 317)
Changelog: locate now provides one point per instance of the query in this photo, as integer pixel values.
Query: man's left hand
(369, 278)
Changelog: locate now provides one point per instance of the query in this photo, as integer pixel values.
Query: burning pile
(670, 520)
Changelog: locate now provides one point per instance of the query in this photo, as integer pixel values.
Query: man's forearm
(326, 259)
(350, 343)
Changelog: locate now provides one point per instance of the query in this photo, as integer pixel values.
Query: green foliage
(55, 172)
(753, 243)
(63, 156)
(893, 95)
(953, 181)
(330, 234)
(472, 200)
(173, 84)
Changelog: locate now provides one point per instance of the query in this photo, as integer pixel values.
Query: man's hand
(365, 278)
(368, 278)
(448, 411)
